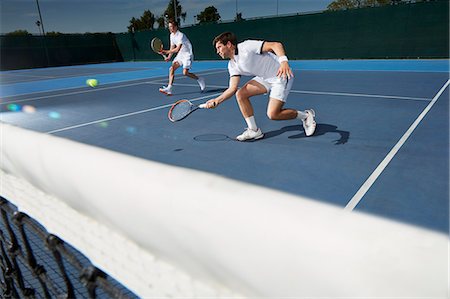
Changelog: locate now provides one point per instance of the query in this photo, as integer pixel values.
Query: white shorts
(184, 59)
(279, 88)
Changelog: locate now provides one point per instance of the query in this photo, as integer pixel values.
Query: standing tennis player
(180, 45)
(266, 61)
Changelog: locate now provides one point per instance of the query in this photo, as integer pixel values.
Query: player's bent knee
(273, 115)
(240, 94)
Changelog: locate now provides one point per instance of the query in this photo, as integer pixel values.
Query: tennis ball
(92, 82)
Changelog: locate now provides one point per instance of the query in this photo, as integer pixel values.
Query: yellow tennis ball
(92, 82)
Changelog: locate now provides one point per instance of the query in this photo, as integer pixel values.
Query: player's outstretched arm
(228, 93)
(173, 50)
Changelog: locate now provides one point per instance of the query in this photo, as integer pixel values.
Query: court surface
(381, 144)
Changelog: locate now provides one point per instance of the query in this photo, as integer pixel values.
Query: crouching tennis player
(266, 61)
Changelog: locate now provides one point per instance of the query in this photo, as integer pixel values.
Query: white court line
(78, 87)
(125, 115)
(373, 177)
(181, 76)
(215, 72)
(372, 70)
(70, 76)
(33, 76)
(360, 95)
(74, 92)
(322, 93)
(188, 84)
(88, 90)
(92, 90)
(215, 86)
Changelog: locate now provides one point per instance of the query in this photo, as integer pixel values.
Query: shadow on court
(321, 129)
(196, 92)
(215, 90)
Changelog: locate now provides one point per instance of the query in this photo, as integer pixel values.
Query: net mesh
(66, 238)
(37, 264)
(202, 245)
(74, 271)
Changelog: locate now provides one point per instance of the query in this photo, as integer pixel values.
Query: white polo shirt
(250, 61)
(180, 38)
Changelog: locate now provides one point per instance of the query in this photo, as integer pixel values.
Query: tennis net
(198, 240)
(36, 264)
(54, 247)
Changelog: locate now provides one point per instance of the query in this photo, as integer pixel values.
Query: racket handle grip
(202, 106)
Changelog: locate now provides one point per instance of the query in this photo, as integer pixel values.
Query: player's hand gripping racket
(157, 46)
(183, 108)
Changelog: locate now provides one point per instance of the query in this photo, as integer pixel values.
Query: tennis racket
(182, 109)
(157, 46)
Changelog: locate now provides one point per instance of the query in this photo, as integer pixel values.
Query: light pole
(40, 17)
(175, 10)
(133, 42)
(38, 23)
(43, 32)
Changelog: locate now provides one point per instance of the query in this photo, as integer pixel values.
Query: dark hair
(174, 23)
(224, 38)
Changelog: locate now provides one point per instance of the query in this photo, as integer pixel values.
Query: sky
(81, 16)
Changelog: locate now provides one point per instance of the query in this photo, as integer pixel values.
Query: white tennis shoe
(166, 90)
(201, 82)
(309, 124)
(250, 134)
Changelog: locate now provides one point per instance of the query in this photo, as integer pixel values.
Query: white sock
(301, 115)
(251, 123)
(169, 86)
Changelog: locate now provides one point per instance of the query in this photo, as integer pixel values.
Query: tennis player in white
(266, 61)
(181, 45)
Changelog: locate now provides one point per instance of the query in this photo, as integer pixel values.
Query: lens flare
(13, 107)
(28, 109)
(103, 124)
(54, 115)
(131, 130)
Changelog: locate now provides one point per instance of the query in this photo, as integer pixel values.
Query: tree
(239, 17)
(349, 4)
(161, 22)
(377, 2)
(169, 13)
(134, 24)
(53, 33)
(210, 14)
(145, 22)
(18, 33)
(342, 4)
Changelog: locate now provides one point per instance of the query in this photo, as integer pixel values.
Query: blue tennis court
(381, 146)
(104, 195)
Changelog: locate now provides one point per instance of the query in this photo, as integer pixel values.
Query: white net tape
(136, 268)
(220, 239)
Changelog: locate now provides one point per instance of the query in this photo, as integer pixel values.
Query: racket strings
(180, 110)
(156, 44)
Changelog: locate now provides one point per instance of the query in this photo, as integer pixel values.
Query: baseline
(322, 93)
